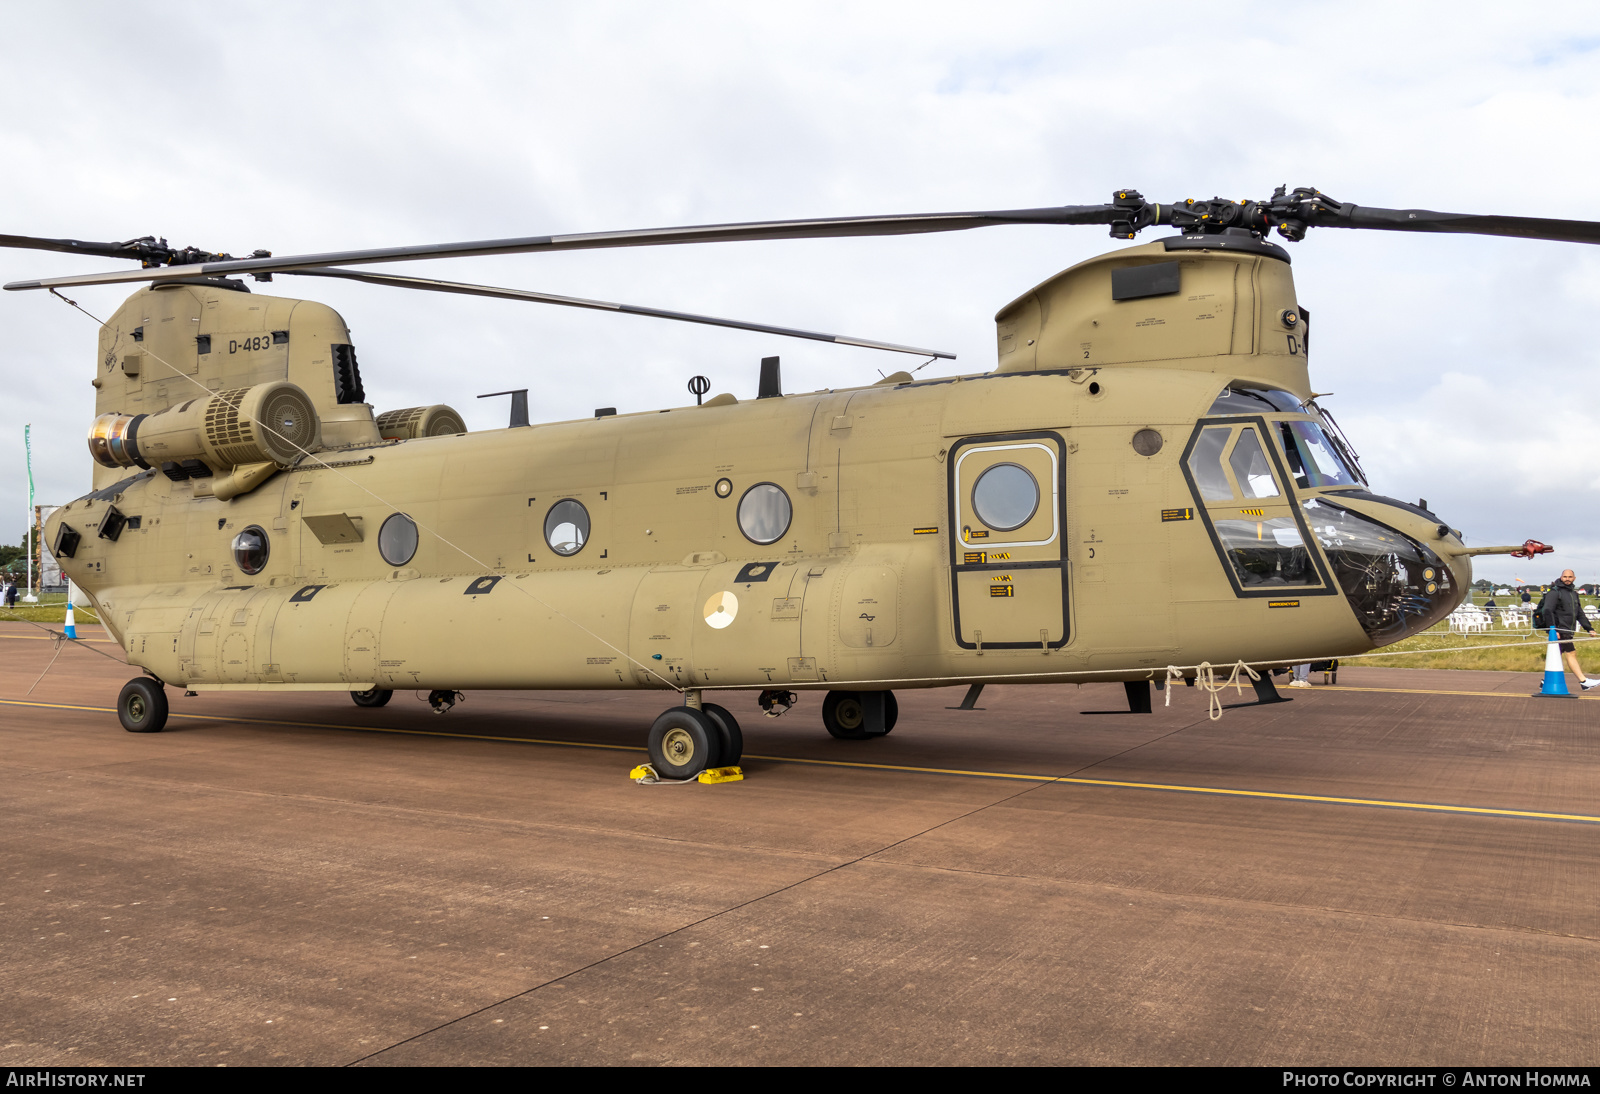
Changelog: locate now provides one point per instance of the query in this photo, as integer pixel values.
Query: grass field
(52, 608)
(1421, 651)
(1424, 651)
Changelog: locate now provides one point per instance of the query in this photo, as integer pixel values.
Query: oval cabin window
(397, 539)
(250, 550)
(764, 513)
(566, 527)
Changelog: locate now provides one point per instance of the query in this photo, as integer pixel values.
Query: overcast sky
(1464, 369)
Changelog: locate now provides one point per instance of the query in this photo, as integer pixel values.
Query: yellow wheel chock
(646, 775)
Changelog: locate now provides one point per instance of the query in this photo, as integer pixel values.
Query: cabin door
(1007, 509)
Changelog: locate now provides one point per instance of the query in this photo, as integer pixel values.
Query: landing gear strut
(142, 706)
(857, 715)
(1138, 696)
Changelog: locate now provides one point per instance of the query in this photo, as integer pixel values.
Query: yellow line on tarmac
(1382, 803)
(48, 638)
(1221, 791)
(1424, 691)
(1430, 807)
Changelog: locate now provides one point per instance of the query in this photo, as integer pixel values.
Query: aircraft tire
(142, 706)
(373, 697)
(844, 718)
(683, 743)
(732, 737)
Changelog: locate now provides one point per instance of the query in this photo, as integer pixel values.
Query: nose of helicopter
(1392, 561)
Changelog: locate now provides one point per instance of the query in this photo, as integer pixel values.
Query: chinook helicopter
(1145, 480)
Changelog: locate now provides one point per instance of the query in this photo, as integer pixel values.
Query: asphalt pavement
(1403, 869)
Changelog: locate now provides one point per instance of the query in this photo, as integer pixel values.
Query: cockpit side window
(1267, 553)
(1241, 484)
(1250, 467)
(1205, 463)
(1314, 459)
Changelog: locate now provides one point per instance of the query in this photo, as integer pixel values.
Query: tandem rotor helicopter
(1145, 480)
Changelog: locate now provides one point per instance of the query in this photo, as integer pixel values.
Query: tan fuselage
(884, 577)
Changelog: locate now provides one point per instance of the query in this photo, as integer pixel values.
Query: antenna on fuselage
(771, 382)
(519, 405)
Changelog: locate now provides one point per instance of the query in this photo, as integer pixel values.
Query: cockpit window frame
(1290, 498)
(1258, 393)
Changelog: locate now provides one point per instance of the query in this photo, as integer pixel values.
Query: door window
(1006, 495)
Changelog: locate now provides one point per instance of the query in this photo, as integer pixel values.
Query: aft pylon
(1555, 676)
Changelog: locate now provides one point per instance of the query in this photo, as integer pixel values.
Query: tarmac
(1402, 869)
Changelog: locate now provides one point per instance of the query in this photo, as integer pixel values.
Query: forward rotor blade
(602, 305)
(71, 246)
(651, 237)
(1427, 220)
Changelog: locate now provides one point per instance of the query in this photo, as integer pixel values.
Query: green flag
(27, 530)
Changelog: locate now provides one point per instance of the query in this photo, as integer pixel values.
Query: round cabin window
(764, 513)
(397, 539)
(1005, 497)
(250, 550)
(566, 527)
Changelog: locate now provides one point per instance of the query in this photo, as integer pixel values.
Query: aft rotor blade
(831, 227)
(1427, 220)
(433, 285)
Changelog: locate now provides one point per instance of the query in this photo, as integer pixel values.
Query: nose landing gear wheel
(142, 706)
(846, 716)
(683, 743)
(373, 697)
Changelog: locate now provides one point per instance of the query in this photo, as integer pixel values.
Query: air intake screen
(290, 424)
(419, 421)
(285, 424)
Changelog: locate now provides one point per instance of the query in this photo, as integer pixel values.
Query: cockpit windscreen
(1314, 459)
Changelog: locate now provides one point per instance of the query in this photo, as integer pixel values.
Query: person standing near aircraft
(1562, 609)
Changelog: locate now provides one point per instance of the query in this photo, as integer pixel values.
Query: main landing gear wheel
(846, 716)
(684, 742)
(372, 697)
(731, 736)
(142, 706)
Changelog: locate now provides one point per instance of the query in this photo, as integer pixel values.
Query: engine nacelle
(420, 421)
(272, 423)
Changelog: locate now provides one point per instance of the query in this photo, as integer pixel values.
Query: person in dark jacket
(1562, 610)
